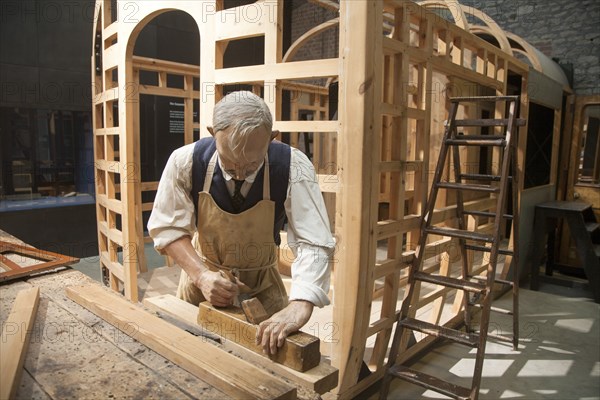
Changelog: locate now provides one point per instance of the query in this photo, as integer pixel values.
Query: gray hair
(245, 112)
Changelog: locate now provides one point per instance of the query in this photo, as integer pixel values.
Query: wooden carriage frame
(385, 138)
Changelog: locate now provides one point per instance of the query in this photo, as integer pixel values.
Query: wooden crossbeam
(300, 351)
(233, 376)
(321, 378)
(15, 339)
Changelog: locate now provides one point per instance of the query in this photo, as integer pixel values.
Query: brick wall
(305, 16)
(566, 30)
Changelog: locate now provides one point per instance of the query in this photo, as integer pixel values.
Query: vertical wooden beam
(360, 83)
(130, 172)
(139, 216)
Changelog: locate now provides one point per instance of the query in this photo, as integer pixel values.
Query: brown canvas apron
(241, 243)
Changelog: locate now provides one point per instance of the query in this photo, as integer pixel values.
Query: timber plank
(320, 379)
(222, 370)
(16, 332)
(300, 351)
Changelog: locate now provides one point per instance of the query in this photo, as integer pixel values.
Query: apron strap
(267, 180)
(210, 171)
(212, 165)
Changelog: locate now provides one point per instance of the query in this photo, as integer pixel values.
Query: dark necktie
(237, 199)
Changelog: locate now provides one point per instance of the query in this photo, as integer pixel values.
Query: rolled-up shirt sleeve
(173, 211)
(309, 235)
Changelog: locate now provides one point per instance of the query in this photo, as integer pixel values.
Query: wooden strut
(16, 331)
(233, 376)
(13, 270)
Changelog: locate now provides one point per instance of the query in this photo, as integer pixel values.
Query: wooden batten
(16, 331)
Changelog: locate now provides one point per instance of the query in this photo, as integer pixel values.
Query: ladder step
(494, 309)
(484, 98)
(482, 177)
(468, 339)
(485, 214)
(484, 279)
(481, 122)
(590, 227)
(457, 233)
(473, 247)
(456, 283)
(471, 140)
(430, 382)
(500, 337)
(466, 186)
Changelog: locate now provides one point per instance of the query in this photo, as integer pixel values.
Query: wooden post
(360, 82)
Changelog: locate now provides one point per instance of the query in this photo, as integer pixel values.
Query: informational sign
(176, 117)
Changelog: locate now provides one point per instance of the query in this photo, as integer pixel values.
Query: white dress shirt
(308, 233)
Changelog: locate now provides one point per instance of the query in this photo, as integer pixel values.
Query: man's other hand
(271, 333)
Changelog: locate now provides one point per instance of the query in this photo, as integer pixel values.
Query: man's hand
(271, 333)
(216, 288)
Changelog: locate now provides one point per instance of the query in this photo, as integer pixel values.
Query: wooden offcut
(300, 350)
(235, 377)
(321, 378)
(15, 339)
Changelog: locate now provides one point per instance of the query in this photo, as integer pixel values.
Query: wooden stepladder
(477, 291)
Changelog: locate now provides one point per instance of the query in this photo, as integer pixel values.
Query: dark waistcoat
(279, 174)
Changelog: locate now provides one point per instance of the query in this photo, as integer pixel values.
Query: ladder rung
(481, 122)
(590, 227)
(484, 278)
(471, 140)
(485, 214)
(483, 177)
(456, 283)
(457, 233)
(487, 122)
(500, 337)
(466, 186)
(430, 382)
(494, 309)
(469, 339)
(483, 98)
(473, 247)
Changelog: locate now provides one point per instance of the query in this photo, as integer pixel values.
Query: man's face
(246, 159)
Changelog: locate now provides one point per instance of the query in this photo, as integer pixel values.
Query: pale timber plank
(15, 339)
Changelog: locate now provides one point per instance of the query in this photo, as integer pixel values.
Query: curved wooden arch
(528, 50)
(493, 28)
(301, 41)
(460, 19)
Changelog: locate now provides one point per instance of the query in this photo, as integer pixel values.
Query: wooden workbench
(75, 354)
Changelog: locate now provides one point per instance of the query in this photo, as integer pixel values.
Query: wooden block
(300, 351)
(321, 378)
(233, 376)
(15, 339)
(254, 311)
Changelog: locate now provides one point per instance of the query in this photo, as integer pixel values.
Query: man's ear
(274, 134)
(210, 130)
